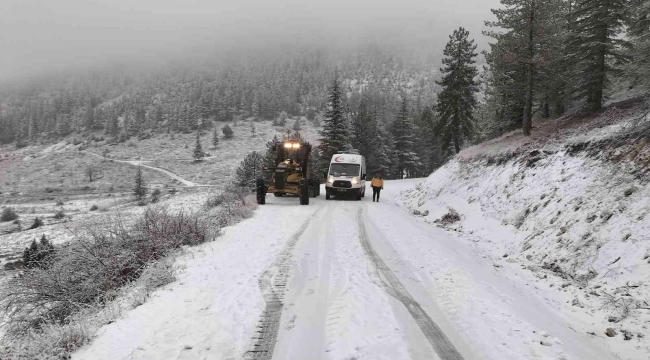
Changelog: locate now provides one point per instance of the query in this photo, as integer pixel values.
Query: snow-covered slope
(571, 216)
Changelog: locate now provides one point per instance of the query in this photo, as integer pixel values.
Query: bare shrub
(60, 214)
(159, 273)
(8, 214)
(235, 203)
(94, 207)
(155, 196)
(214, 200)
(49, 342)
(91, 268)
(449, 218)
(622, 301)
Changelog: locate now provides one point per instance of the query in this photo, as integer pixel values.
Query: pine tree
(113, 126)
(456, 101)
(255, 107)
(639, 31)
(296, 125)
(250, 169)
(215, 137)
(334, 136)
(529, 26)
(64, 126)
(132, 124)
(404, 135)
(363, 129)
(197, 153)
(427, 146)
(253, 129)
(38, 253)
(89, 118)
(139, 190)
(381, 160)
(269, 156)
(227, 131)
(597, 47)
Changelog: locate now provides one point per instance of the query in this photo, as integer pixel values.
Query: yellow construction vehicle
(292, 174)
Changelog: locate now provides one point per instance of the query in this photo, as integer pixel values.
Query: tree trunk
(597, 93)
(528, 112)
(546, 109)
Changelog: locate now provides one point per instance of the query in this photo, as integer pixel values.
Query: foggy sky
(38, 36)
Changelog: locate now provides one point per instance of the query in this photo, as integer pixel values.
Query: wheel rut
(433, 333)
(272, 285)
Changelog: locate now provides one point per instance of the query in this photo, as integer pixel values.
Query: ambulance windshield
(344, 170)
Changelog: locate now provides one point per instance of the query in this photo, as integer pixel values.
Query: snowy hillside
(570, 215)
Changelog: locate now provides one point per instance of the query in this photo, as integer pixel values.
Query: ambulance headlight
(355, 180)
(330, 179)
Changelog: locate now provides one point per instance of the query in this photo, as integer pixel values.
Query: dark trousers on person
(375, 192)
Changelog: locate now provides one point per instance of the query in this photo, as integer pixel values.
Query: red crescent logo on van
(339, 159)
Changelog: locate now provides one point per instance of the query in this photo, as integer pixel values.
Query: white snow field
(344, 280)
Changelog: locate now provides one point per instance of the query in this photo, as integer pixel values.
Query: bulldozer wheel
(304, 193)
(261, 191)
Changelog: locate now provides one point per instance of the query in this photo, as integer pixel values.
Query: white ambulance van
(346, 176)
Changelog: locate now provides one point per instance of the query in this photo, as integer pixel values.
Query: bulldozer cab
(293, 156)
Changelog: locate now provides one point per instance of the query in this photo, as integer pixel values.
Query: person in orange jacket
(377, 184)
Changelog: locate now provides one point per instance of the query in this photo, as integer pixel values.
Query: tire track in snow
(434, 334)
(272, 284)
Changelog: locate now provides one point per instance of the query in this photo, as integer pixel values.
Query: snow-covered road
(340, 280)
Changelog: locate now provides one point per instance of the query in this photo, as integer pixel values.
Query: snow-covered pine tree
(250, 169)
(269, 156)
(89, 118)
(528, 26)
(457, 99)
(296, 125)
(133, 125)
(255, 107)
(113, 126)
(363, 129)
(427, 146)
(186, 119)
(227, 131)
(596, 47)
(139, 188)
(404, 137)
(334, 136)
(381, 161)
(140, 116)
(639, 31)
(64, 126)
(197, 153)
(215, 137)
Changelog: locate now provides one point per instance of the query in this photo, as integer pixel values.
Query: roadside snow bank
(576, 224)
